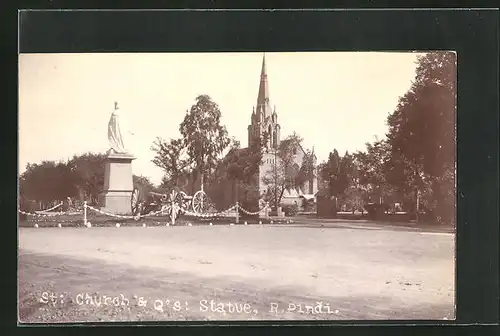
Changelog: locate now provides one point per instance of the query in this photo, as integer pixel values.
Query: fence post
(85, 213)
(418, 205)
(172, 214)
(237, 213)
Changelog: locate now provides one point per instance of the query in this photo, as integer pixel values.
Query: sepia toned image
(236, 186)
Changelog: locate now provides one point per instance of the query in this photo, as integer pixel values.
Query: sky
(331, 99)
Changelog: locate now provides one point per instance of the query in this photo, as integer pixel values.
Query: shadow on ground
(64, 290)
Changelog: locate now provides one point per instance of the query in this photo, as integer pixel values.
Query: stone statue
(115, 135)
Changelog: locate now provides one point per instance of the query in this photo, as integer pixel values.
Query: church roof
(308, 197)
(238, 151)
(300, 147)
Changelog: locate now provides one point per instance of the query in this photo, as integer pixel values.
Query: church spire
(263, 105)
(263, 70)
(264, 120)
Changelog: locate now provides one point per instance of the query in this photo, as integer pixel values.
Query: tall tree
(422, 131)
(89, 171)
(47, 182)
(339, 176)
(307, 172)
(239, 168)
(171, 157)
(203, 135)
(243, 164)
(331, 174)
(372, 168)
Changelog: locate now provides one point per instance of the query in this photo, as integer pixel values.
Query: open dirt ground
(254, 272)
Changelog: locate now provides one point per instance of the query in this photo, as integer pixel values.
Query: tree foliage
(88, 170)
(415, 164)
(171, 157)
(422, 134)
(330, 173)
(372, 166)
(342, 176)
(143, 183)
(286, 174)
(237, 171)
(422, 128)
(204, 137)
(307, 168)
(80, 177)
(338, 173)
(243, 164)
(47, 182)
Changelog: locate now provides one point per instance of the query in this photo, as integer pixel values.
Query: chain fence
(173, 210)
(48, 213)
(50, 209)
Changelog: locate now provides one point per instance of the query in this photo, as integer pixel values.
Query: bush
(309, 206)
(290, 210)
(375, 210)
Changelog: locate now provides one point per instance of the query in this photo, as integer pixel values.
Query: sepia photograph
(236, 186)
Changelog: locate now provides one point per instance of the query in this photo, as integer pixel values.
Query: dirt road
(233, 273)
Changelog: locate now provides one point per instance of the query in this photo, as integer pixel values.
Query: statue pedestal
(118, 184)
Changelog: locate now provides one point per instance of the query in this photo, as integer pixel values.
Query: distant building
(262, 120)
(265, 120)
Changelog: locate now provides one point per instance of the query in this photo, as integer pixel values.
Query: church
(264, 125)
(264, 120)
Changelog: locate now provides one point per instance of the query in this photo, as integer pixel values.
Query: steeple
(263, 105)
(264, 120)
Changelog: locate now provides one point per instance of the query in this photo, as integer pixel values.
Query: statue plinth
(118, 184)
